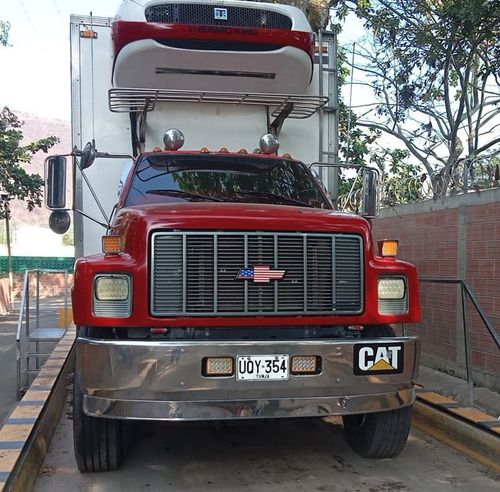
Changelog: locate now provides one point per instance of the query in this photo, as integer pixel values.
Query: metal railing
(466, 292)
(27, 335)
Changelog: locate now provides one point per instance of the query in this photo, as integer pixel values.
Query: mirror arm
(96, 199)
(106, 226)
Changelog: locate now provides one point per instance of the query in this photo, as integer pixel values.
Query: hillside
(35, 128)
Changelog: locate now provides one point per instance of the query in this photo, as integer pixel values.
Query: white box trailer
(117, 117)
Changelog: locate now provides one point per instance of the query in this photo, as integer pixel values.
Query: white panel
(204, 125)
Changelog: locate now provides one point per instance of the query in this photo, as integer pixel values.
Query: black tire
(97, 441)
(378, 434)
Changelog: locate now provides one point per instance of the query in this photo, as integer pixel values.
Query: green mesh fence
(22, 263)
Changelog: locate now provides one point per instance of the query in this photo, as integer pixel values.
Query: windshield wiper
(276, 198)
(194, 197)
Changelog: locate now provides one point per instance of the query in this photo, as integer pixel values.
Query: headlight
(391, 288)
(112, 288)
(112, 295)
(392, 295)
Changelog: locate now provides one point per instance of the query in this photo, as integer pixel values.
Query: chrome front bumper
(162, 380)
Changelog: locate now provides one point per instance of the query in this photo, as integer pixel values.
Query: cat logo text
(374, 358)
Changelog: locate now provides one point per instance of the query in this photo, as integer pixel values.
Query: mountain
(35, 128)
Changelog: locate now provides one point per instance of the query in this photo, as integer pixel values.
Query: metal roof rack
(125, 100)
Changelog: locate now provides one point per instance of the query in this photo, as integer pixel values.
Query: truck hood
(235, 216)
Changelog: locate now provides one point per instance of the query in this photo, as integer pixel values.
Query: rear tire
(97, 441)
(378, 434)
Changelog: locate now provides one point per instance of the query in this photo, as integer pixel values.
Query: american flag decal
(260, 273)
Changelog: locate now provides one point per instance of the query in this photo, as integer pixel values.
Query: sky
(36, 67)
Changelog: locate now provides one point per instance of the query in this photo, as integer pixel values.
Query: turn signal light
(388, 248)
(111, 245)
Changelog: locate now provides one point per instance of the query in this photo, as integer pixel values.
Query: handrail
(19, 328)
(473, 298)
(24, 306)
(467, 291)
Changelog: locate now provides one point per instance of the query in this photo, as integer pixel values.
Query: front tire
(97, 441)
(378, 434)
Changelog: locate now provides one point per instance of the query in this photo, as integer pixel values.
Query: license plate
(262, 367)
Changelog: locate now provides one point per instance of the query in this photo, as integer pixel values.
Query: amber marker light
(89, 34)
(224, 150)
(388, 248)
(111, 245)
(305, 364)
(204, 150)
(218, 366)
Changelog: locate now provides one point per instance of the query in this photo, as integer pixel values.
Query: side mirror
(370, 194)
(88, 156)
(59, 221)
(55, 183)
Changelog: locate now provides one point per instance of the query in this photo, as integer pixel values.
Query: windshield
(177, 178)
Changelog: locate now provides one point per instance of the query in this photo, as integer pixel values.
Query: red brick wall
(429, 237)
(483, 275)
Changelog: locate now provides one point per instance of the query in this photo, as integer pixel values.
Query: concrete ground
(457, 389)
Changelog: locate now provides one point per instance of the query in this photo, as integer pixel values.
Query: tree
(15, 182)
(401, 181)
(434, 67)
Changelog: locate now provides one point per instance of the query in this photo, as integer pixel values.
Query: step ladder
(329, 114)
(34, 341)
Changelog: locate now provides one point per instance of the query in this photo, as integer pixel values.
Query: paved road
(282, 456)
(8, 326)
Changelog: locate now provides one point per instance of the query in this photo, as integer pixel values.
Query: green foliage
(68, 239)
(434, 67)
(401, 181)
(14, 180)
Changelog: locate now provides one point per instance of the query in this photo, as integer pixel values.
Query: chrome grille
(194, 273)
(203, 14)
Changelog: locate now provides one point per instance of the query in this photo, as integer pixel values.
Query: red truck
(225, 284)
